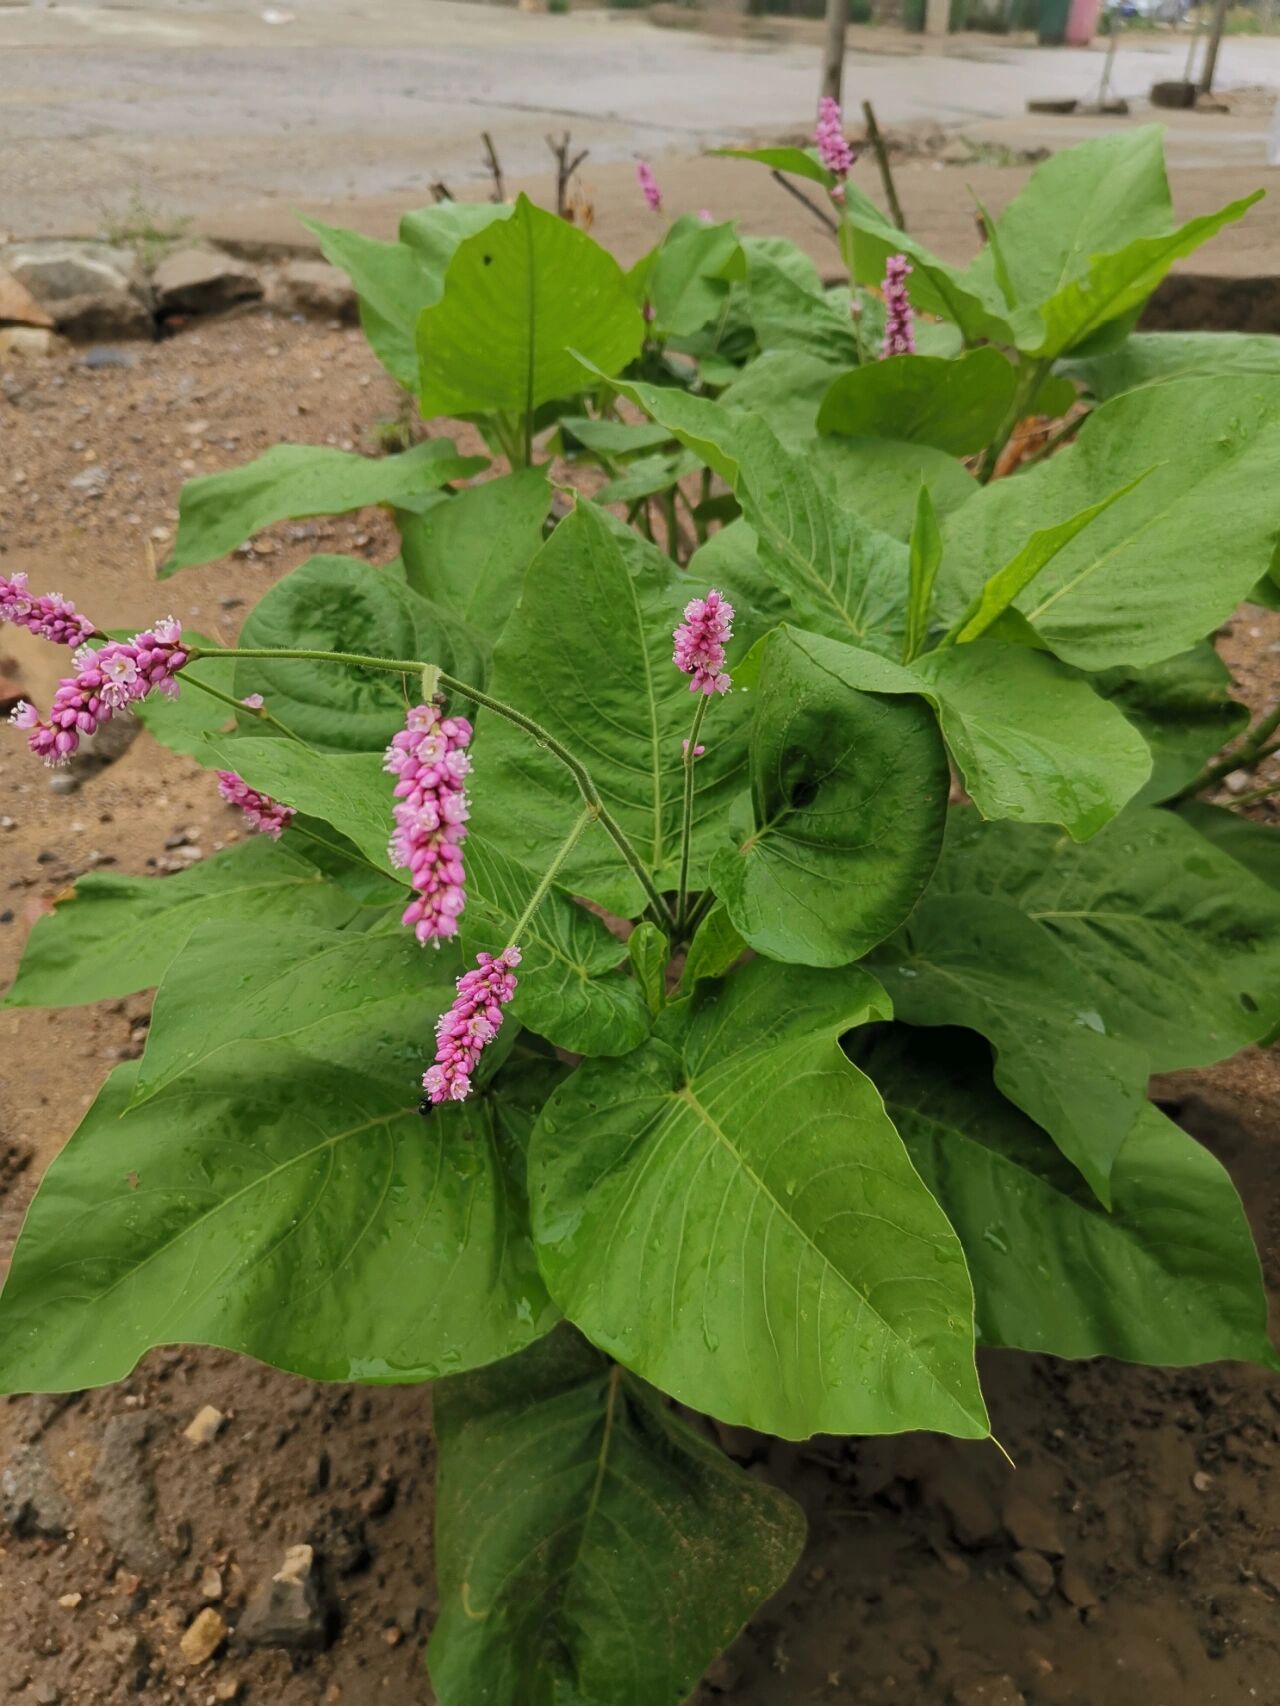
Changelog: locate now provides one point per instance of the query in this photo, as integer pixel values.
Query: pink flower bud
(473, 1020)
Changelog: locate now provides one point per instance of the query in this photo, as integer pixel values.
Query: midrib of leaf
(685, 1094)
(192, 1227)
(808, 572)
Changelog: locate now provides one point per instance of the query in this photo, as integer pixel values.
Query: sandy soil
(1133, 1559)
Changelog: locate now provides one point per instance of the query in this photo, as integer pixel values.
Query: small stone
(228, 1688)
(210, 1583)
(314, 287)
(1035, 1571)
(202, 1637)
(208, 1422)
(26, 341)
(288, 1611)
(127, 1496)
(971, 1514)
(92, 483)
(202, 281)
(46, 1693)
(1075, 1589)
(31, 1502)
(8, 823)
(69, 1601)
(1201, 1481)
(1032, 1524)
(393, 1635)
(105, 356)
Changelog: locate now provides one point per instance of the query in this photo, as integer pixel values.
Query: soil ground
(1151, 1499)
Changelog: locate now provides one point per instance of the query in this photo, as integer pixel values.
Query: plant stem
(1066, 430)
(848, 255)
(672, 524)
(699, 912)
(686, 821)
(1030, 376)
(543, 737)
(1252, 750)
(588, 814)
(259, 711)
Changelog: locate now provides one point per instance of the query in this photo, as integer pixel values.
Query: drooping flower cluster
(474, 1019)
(106, 681)
(431, 768)
(648, 185)
(899, 333)
(264, 814)
(48, 615)
(700, 641)
(833, 150)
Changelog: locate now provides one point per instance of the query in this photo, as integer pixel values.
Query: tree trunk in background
(833, 48)
(1211, 49)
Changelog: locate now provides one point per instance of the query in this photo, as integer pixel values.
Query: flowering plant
(799, 911)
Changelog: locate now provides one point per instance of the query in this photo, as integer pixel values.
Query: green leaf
(469, 555)
(396, 281)
(575, 1509)
(1153, 358)
(926, 555)
(999, 591)
(612, 438)
(1147, 911)
(1030, 739)
(297, 1212)
(716, 948)
(879, 479)
(1182, 707)
(1120, 593)
(786, 387)
(1254, 845)
(571, 989)
(349, 790)
(360, 1000)
(518, 297)
(1169, 1276)
(588, 654)
(646, 477)
(957, 406)
(789, 307)
(219, 511)
(729, 1213)
(113, 935)
(687, 278)
(649, 950)
(800, 162)
(342, 604)
(846, 813)
(183, 722)
(985, 965)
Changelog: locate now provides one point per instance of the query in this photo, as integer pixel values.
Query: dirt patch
(1133, 1557)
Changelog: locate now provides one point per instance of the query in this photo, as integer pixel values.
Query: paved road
(199, 104)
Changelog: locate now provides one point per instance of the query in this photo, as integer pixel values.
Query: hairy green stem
(1252, 750)
(686, 821)
(259, 711)
(543, 737)
(588, 814)
(1031, 376)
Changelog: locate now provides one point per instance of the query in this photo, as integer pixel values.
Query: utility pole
(1211, 49)
(833, 47)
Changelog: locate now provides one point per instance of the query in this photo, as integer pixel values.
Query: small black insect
(426, 1106)
(488, 260)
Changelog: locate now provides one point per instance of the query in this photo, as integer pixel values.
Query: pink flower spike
(428, 760)
(700, 641)
(49, 616)
(834, 152)
(253, 701)
(649, 185)
(106, 681)
(899, 334)
(264, 814)
(474, 1019)
(706, 216)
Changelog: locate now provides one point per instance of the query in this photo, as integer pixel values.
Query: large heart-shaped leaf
(301, 1213)
(983, 964)
(219, 511)
(1121, 593)
(789, 306)
(575, 1511)
(349, 790)
(469, 555)
(361, 1000)
(729, 1212)
(1169, 1276)
(1146, 912)
(341, 604)
(846, 813)
(396, 281)
(1153, 358)
(1031, 740)
(588, 654)
(956, 406)
(112, 934)
(518, 297)
(1255, 845)
(687, 278)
